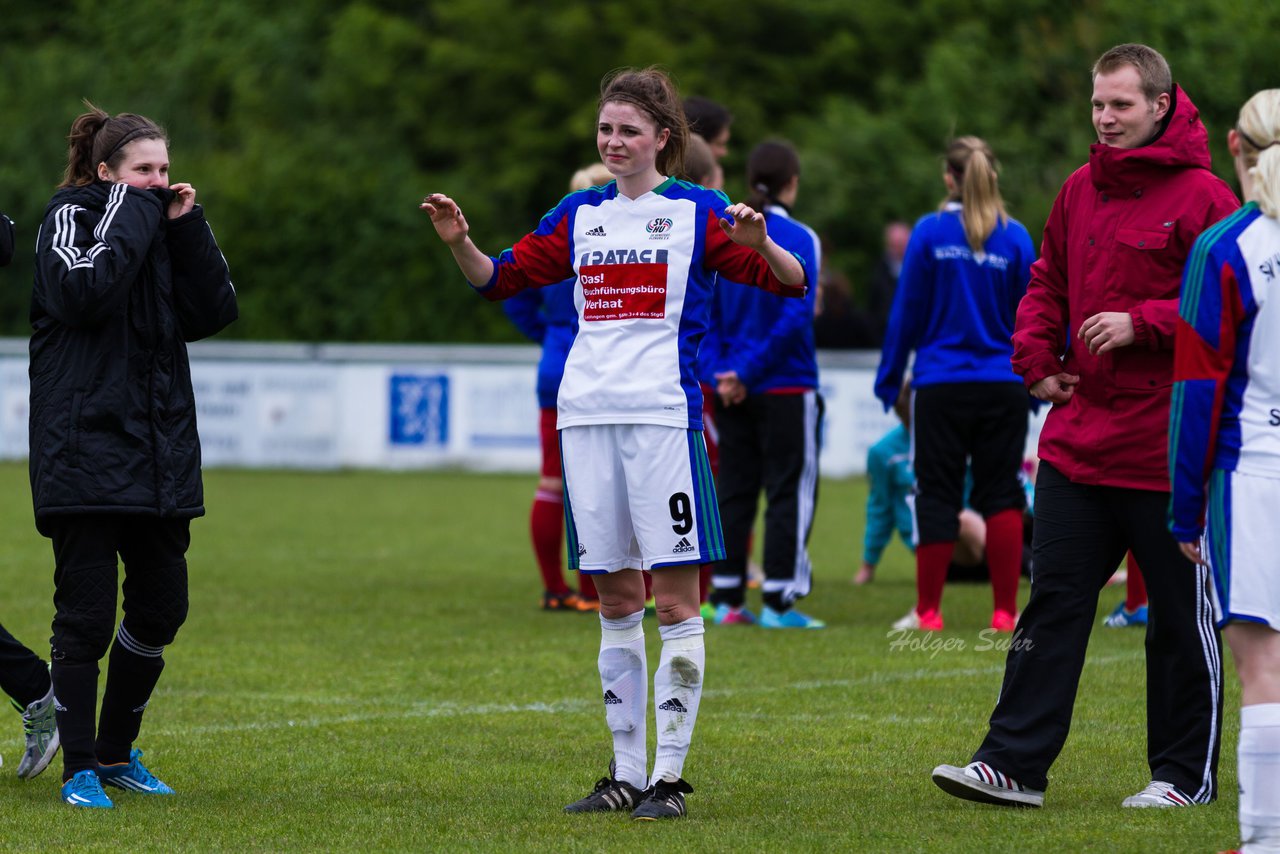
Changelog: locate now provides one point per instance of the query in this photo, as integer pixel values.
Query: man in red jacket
(1094, 337)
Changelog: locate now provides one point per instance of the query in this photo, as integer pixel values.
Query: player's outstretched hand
(747, 227)
(447, 217)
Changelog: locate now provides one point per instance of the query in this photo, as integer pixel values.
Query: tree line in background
(311, 129)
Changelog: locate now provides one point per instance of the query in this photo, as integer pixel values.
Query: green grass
(365, 668)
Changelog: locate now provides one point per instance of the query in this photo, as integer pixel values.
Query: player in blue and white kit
(645, 251)
(1224, 447)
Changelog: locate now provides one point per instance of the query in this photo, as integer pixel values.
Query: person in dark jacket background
(127, 272)
(23, 675)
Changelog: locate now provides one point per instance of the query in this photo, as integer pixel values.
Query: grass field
(365, 668)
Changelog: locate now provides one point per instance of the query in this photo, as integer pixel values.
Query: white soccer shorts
(1242, 543)
(638, 496)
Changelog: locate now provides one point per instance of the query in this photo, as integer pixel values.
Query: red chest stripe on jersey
(623, 291)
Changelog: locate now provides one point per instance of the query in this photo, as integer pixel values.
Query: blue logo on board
(419, 409)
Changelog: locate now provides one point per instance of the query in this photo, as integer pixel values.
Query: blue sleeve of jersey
(1203, 354)
(754, 361)
(525, 311)
(908, 316)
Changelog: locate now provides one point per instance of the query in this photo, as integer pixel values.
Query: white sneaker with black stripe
(1159, 794)
(978, 781)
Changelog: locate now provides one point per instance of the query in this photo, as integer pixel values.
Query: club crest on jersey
(623, 291)
(658, 228)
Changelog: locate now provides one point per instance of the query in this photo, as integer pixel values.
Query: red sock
(587, 587)
(648, 586)
(932, 561)
(546, 525)
(1135, 589)
(1004, 558)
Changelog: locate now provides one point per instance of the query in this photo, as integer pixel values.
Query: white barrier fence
(374, 406)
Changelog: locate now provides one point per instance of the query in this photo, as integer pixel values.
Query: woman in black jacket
(127, 272)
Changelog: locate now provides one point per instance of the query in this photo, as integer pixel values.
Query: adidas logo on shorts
(674, 705)
(598, 231)
(612, 699)
(683, 546)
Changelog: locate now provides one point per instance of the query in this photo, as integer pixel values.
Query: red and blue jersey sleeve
(740, 264)
(538, 259)
(1211, 312)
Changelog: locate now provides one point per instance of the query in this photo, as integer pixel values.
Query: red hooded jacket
(1116, 240)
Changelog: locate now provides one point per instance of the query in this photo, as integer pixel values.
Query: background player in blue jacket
(965, 270)
(548, 316)
(760, 354)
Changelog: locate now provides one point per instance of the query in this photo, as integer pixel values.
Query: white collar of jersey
(952, 206)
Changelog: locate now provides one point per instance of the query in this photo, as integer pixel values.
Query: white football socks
(677, 689)
(1259, 771)
(624, 676)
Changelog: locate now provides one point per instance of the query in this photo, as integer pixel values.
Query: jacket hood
(1183, 144)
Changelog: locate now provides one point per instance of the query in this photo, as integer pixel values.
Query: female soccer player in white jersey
(645, 251)
(1224, 447)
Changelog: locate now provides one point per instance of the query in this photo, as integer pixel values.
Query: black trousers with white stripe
(769, 442)
(1081, 535)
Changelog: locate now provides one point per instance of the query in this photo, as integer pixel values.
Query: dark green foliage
(312, 129)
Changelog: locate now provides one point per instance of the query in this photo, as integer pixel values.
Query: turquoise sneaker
(133, 776)
(84, 789)
(1122, 619)
(790, 619)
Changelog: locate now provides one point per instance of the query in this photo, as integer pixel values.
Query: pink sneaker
(727, 615)
(1003, 621)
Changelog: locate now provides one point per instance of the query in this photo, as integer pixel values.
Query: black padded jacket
(119, 290)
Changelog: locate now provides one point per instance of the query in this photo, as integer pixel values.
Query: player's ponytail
(97, 137)
(1259, 131)
(770, 169)
(972, 167)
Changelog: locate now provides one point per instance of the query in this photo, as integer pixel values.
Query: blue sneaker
(84, 789)
(789, 619)
(1120, 618)
(133, 776)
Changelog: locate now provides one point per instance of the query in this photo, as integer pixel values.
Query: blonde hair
(595, 175)
(972, 166)
(1259, 131)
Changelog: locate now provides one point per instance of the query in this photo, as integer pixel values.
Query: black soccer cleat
(663, 800)
(609, 795)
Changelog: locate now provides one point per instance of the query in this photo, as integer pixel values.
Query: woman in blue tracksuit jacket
(759, 354)
(966, 268)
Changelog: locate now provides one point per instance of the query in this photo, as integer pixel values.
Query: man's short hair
(1153, 70)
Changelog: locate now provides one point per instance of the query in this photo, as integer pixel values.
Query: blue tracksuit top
(766, 339)
(548, 317)
(955, 307)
